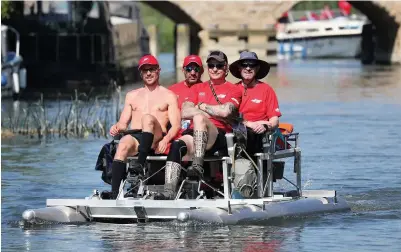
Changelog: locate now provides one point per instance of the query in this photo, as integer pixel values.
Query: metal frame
(265, 189)
(142, 209)
(272, 155)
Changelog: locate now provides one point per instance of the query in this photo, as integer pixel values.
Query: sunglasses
(249, 64)
(194, 68)
(151, 69)
(218, 65)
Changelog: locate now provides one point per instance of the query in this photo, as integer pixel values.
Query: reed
(82, 116)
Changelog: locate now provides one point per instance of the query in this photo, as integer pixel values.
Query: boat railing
(316, 15)
(4, 43)
(270, 154)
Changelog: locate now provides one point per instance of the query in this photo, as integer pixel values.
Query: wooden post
(182, 43)
(153, 40)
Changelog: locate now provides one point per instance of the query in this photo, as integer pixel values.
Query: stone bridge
(202, 16)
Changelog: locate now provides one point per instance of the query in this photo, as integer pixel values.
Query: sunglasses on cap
(218, 65)
(249, 64)
(190, 68)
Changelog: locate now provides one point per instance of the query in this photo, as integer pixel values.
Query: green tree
(6, 9)
(166, 26)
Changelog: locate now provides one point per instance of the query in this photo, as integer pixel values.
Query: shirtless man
(192, 69)
(149, 109)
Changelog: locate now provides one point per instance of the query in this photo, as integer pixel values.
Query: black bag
(105, 160)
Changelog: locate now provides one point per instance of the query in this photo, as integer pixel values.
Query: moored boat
(13, 72)
(304, 34)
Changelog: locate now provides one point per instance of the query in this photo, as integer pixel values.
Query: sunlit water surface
(349, 117)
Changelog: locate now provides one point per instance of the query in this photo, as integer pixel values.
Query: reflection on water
(349, 118)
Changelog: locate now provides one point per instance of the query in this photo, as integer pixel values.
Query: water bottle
(185, 124)
(230, 143)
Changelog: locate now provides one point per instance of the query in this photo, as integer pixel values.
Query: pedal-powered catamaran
(246, 194)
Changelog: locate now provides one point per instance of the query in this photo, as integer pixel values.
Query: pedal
(141, 190)
(132, 178)
(191, 188)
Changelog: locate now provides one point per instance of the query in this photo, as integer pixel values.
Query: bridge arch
(179, 16)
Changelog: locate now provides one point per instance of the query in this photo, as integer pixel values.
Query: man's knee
(178, 149)
(125, 145)
(199, 119)
(148, 121)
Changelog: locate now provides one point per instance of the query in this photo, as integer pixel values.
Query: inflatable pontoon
(245, 194)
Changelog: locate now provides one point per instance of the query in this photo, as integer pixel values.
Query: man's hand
(114, 130)
(161, 146)
(257, 127)
(117, 128)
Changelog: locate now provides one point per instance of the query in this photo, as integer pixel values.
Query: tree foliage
(165, 25)
(6, 9)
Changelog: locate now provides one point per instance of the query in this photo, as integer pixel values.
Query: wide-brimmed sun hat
(248, 56)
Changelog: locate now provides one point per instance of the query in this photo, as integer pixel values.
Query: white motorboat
(13, 74)
(304, 35)
(246, 194)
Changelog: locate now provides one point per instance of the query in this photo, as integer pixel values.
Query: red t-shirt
(181, 90)
(226, 92)
(259, 102)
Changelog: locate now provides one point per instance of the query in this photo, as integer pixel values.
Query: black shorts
(219, 145)
(254, 143)
(138, 135)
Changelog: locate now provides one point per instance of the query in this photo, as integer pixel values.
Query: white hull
(344, 47)
(335, 37)
(233, 211)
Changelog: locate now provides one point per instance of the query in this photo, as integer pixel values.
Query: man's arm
(126, 114)
(272, 123)
(174, 117)
(227, 110)
(188, 110)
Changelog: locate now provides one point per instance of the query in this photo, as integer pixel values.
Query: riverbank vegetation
(82, 116)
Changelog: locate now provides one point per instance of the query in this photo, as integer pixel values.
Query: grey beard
(173, 170)
(200, 142)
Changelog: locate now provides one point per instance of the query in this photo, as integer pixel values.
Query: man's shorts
(219, 145)
(138, 136)
(254, 142)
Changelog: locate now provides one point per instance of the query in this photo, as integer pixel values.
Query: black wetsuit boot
(144, 148)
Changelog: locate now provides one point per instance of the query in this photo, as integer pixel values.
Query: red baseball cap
(147, 60)
(192, 59)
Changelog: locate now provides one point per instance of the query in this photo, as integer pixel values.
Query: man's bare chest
(144, 105)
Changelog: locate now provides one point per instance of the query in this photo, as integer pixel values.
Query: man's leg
(179, 148)
(152, 133)
(128, 146)
(205, 134)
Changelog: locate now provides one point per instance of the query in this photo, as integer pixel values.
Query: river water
(349, 119)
